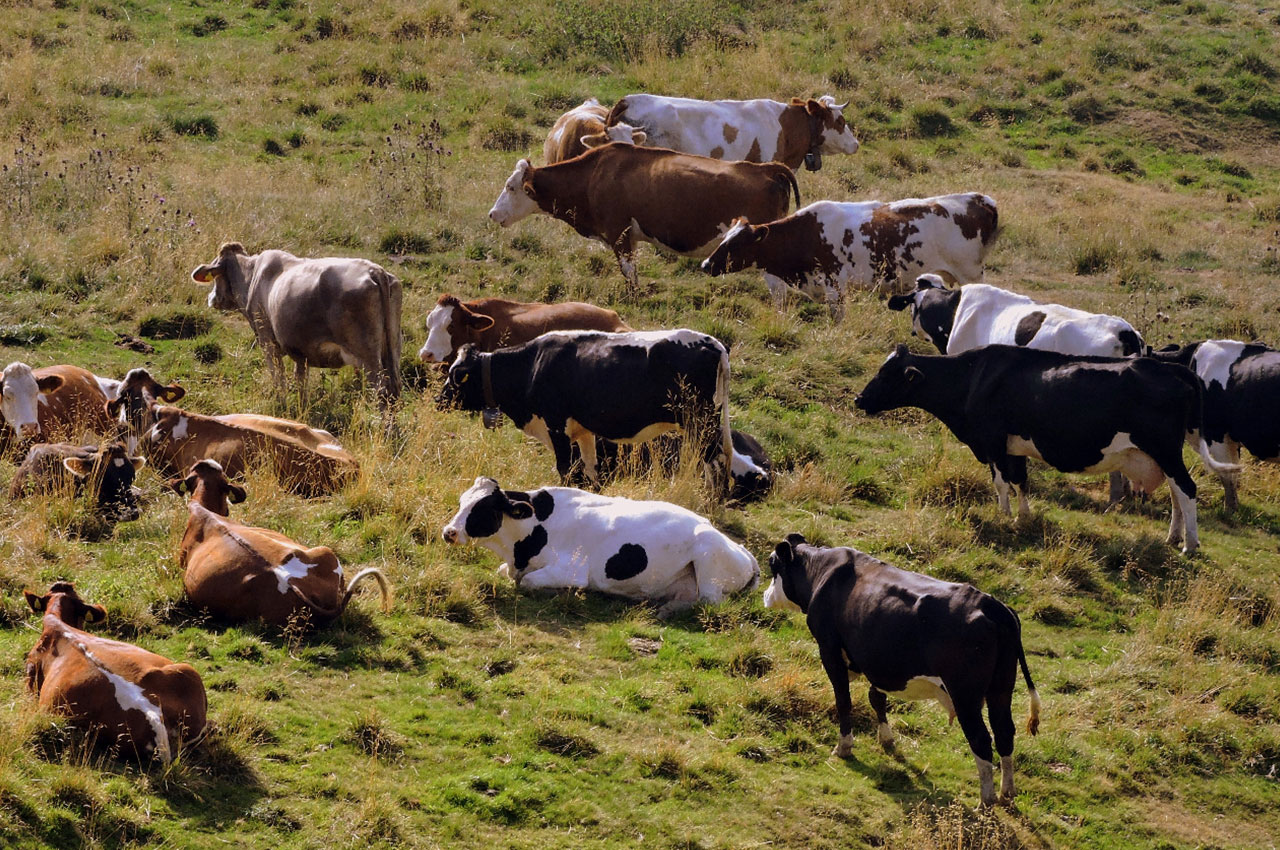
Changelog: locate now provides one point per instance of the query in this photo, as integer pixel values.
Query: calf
(49, 467)
(827, 247)
(492, 323)
(52, 402)
(239, 572)
(583, 127)
(569, 387)
(622, 195)
(137, 702)
(1077, 414)
(913, 637)
(559, 537)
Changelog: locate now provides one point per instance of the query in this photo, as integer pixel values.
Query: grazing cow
(493, 323)
(53, 401)
(1077, 414)
(1241, 383)
(330, 312)
(558, 537)
(959, 319)
(243, 573)
(583, 127)
(570, 387)
(752, 130)
(750, 468)
(621, 195)
(913, 637)
(138, 702)
(110, 470)
(828, 246)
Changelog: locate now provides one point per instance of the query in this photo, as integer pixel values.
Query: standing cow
(583, 127)
(828, 246)
(493, 323)
(751, 130)
(329, 312)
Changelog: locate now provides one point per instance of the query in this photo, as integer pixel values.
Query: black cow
(54, 466)
(569, 387)
(750, 470)
(1077, 414)
(913, 637)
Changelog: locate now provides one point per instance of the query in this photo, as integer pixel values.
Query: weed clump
(198, 125)
(563, 743)
(929, 122)
(179, 324)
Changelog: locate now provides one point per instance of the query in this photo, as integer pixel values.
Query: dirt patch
(1171, 132)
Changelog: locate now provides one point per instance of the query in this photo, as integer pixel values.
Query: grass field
(1134, 149)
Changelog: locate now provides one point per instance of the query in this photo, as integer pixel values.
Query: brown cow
(141, 703)
(493, 323)
(109, 470)
(53, 402)
(583, 127)
(245, 573)
(621, 195)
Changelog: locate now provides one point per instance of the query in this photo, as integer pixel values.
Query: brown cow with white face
(140, 703)
(493, 323)
(53, 402)
(583, 127)
(244, 573)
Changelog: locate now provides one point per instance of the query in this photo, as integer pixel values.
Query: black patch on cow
(1028, 326)
(1130, 342)
(543, 504)
(524, 550)
(628, 563)
(486, 516)
(936, 314)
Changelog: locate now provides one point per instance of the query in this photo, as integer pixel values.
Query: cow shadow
(893, 774)
(212, 784)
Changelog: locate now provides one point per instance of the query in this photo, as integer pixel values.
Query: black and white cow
(559, 537)
(1241, 383)
(1077, 414)
(569, 387)
(913, 637)
(110, 470)
(751, 470)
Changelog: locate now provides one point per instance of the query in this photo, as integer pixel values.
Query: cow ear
(78, 466)
(237, 494)
(94, 613)
(913, 374)
(205, 274)
(519, 510)
(172, 393)
(479, 321)
(638, 137)
(594, 140)
(759, 233)
(113, 408)
(813, 107)
(49, 383)
(901, 350)
(176, 484)
(782, 555)
(898, 303)
(37, 603)
(138, 463)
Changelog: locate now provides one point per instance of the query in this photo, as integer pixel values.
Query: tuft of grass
(179, 324)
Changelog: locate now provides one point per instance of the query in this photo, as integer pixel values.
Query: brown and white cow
(328, 312)
(583, 127)
(53, 402)
(493, 323)
(621, 195)
(244, 573)
(109, 470)
(752, 130)
(828, 246)
(137, 702)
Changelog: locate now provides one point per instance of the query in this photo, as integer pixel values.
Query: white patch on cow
(118, 462)
(329, 447)
(742, 465)
(776, 597)
(42, 399)
(110, 387)
(1023, 447)
(295, 567)
(513, 204)
(844, 746)
(130, 696)
(844, 141)
(439, 344)
(1006, 778)
(537, 428)
(1213, 360)
(885, 735)
(213, 464)
(18, 399)
(649, 432)
(926, 687)
(1184, 515)
(986, 782)
(987, 315)
(179, 431)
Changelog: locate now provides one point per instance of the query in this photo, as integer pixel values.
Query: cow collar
(491, 416)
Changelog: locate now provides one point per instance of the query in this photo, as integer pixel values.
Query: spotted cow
(49, 467)
(583, 127)
(52, 402)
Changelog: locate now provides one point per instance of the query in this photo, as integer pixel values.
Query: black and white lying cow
(1077, 414)
(913, 637)
(559, 537)
(1241, 383)
(568, 387)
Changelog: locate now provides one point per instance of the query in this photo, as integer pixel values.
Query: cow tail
(383, 585)
(795, 187)
(990, 236)
(391, 294)
(617, 113)
(1195, 421)
(1033, 717)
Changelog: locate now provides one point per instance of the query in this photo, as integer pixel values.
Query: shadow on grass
(893, 774)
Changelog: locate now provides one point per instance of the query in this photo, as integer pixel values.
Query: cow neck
(560, 190)
(951, 379)
(486, 380)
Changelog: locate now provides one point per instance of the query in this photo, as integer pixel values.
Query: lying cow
(913, 637)
(493, 323)
(752, 130)
(583, 127)
(53, 402)
(570, 387)
(558, 537)
(622, 195)
(139, 703)
(50, 467)
(239, 572)
(959, 319)
(828, 247)
(1077, 414)
(329, 312)
(133, 408)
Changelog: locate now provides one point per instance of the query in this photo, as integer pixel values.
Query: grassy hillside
(1134, 149)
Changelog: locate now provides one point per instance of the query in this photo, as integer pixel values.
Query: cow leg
(969, 712)
(1011, 470)
(777, 289)
(838, 672)
(563, 447)
(1000, 713)
(300, 374)
(1117, 489)
(1184, 498)
(681, 593)
(1002, 490)
(275, 368)
(1228, 451)
(880, 705)
(586, 443)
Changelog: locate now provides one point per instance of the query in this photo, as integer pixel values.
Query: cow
(559, 537)
(53, 402)
(570, 387)
(583, 127)
(958, 319)
(1241, 383)
(1077, 414)
(141, 704)
(752, 130)
(828, 246)
(132, 409)
(750, 469)
(913, 637)
(493, 323)
(329, 313)
(622, 195)
(110, 470)
(238, 572)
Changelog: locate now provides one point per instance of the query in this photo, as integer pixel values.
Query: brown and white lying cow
(622, 195)
(139, 703)
(49, 467)
(52, 403)
(244, 573)
(493, 323)
(583, 127)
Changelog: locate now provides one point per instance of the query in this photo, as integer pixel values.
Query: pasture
(1134, 150)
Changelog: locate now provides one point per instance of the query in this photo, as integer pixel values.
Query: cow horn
(840, 106)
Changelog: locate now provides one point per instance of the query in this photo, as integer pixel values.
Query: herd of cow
(1014, 379)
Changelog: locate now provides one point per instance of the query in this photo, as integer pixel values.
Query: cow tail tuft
(1033, 717)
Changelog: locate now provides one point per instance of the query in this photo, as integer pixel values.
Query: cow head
(209, 487)
(135, 406)
(451, 325)
(482, 511)
(828, 131)
(229, 275)
(463, 388)
(899, 383)
(737, 250)
(20, 392)
(750, 468)
(63, 602)
(518, 199)
(623, 134)
(791, 587)
(933, 309)
(112, 470)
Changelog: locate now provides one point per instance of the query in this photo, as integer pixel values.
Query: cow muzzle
(29, 430)
(450, 535)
